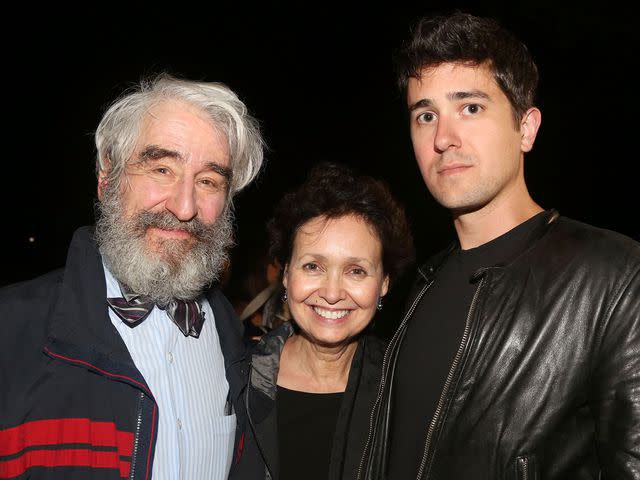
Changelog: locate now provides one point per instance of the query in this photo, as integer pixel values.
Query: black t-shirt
(306, 425)
(432, 339)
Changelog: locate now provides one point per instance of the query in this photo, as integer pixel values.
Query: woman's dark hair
(333, 191)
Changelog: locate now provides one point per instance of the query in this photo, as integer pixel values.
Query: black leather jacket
(546, 380)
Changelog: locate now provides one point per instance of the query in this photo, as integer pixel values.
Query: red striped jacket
(72, 403)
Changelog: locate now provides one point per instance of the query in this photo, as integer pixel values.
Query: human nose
(182, 201)
(332, 291)
(446, 135)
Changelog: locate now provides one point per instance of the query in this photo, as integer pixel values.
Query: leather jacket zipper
(136, 439)
(447, 384)
(385, 361)
(524, 475)
(526, 467)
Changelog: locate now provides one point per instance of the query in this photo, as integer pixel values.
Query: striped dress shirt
(186, 376)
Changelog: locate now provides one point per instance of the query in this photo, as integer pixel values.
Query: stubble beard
(456, 194)
(174, 268)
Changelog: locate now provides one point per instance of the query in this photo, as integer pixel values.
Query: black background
(319, 78)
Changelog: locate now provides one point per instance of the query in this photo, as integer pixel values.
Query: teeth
(330, 314)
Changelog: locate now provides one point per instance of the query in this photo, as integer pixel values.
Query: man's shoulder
(47, 285)
(577, 251)
(25, 306)
(595, 241)
(31, 291)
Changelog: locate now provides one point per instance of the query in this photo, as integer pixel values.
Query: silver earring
(284, 295)
(379, 307)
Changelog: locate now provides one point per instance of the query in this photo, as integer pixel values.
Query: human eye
(472, 109)
(211, 183)
(156, 161)
(152, 166)
(312, 268)
(358, 271)
(158, 172)
(425, 117)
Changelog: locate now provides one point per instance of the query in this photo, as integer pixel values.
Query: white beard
(182, 269)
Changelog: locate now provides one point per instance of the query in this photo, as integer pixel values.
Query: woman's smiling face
(334, 278)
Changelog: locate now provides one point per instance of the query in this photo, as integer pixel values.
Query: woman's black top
(306, 426)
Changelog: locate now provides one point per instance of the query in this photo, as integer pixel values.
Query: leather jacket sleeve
(615, 396)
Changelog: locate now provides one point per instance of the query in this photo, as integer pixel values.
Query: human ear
(385, 286)
(102, 176)
(529, 128)
(102, 183)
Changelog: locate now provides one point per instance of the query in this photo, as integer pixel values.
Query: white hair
(117, 132)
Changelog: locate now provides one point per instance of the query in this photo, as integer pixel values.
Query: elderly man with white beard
(129, 361)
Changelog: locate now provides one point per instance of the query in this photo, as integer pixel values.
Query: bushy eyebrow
(154, 152)
(462, 95)
(219, 169)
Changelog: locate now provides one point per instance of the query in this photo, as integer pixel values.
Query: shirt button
(179, 423)
(170, 357)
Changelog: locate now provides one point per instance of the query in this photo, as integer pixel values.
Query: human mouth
(171, 233)
(331, 314)
(452, 169)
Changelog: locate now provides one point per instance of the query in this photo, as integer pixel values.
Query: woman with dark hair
(342, 238)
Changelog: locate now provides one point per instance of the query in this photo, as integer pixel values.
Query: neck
(503, 213)
(308, 367)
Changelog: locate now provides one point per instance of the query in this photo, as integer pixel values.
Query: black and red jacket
(72, 403)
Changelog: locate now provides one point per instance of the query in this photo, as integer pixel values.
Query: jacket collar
(81, 330)
(428, 270)
(80, 319)
(265, 360)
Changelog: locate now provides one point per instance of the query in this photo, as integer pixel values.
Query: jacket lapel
(81, 332)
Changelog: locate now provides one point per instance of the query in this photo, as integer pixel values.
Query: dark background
(319, 77)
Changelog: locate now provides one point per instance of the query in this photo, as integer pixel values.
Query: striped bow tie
(133, 309)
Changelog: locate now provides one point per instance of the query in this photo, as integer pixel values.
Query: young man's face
(469, 150)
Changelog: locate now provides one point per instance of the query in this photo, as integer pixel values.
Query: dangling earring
(284, 296)
(379, 307)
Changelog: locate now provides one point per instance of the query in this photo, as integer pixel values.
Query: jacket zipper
(447, 384)
(525, 470)
(523, 467)
(136, 439)
(385, 361)
(93, 368)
